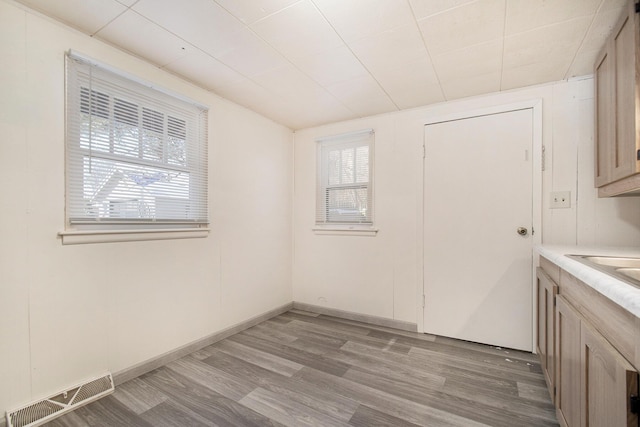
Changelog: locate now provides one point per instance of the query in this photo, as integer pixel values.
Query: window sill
(78, 237)
(349, 230)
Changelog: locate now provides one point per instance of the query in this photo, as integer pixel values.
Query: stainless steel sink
(633, 273)
(626, 269)
(619, 262)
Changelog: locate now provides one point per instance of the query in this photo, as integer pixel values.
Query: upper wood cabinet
(617, 109)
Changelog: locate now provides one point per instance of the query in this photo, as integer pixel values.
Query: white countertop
(622, 293)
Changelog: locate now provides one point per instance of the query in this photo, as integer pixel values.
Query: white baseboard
(159, 361)
(365, 318)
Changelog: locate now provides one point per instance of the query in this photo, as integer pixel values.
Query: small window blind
(135, 154)
(345, 184)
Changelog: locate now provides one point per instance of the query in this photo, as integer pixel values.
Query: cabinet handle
(634, 404)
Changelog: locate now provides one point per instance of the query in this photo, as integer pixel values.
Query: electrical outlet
(560, 199)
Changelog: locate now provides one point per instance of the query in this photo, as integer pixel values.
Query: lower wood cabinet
(608, 382)
(591, 383)
(545, 344)
(568, 364)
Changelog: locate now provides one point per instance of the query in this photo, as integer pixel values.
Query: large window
(136, 155)
(345, 190)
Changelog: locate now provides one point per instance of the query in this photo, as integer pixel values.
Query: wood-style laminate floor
(301, 369)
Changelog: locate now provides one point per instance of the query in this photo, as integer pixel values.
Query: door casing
(537, 158)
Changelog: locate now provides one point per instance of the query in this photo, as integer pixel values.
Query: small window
(345, 184)
(136, 156)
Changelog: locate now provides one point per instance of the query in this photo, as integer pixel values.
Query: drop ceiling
(307, 62)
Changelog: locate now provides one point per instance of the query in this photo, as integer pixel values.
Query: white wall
(381, 276)
(72, 312)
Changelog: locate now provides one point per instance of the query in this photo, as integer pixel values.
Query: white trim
(498, 109)
(149, 365)
(537, 141)
(420, 234)
(357, 317)
(346, 135)
(351, 230)
(76, 237)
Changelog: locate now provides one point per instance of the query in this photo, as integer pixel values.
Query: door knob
(522, 231)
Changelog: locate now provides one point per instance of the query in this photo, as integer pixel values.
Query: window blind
(345, 184)
(134, 154)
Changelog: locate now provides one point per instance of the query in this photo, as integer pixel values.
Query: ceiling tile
(204, 70)
(254, 97)
(412, 85)
(331, 66)
(203, 22)
(250, 55)
(288, 82)
(86, 15)
(152, 42)
(424, 8)
(470, 61)
(390, 49)
(246, 93)
(554, 44)
(594, 41)
(471, 86)
(613, 4)
(306, 62)
(355, 19)
(324, 108)
(601, 28)
(363, 95)
(364, 107)
(293, 112)
(583, 63)
(250, 11)
(470, 24)
(524, 15)
(531, 74)
(298, 30)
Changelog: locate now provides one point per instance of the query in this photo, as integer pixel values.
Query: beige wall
(381, 276)
(72, 312)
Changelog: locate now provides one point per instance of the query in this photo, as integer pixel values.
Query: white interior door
(477, 193)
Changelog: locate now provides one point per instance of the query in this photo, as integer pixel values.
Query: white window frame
(185, 206)
(349, 226)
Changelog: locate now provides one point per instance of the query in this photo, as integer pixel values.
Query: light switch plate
(560, 199)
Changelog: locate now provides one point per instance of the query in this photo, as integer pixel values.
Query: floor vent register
(42, 411)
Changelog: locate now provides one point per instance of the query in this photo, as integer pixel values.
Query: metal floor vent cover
(45, 410)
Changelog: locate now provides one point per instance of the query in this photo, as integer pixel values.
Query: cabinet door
(624, 47)
(604, 102)
(608, 382)
(547, 290)
(568, 360)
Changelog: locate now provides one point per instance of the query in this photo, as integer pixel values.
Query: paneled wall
(381, 275)
(73, 312)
